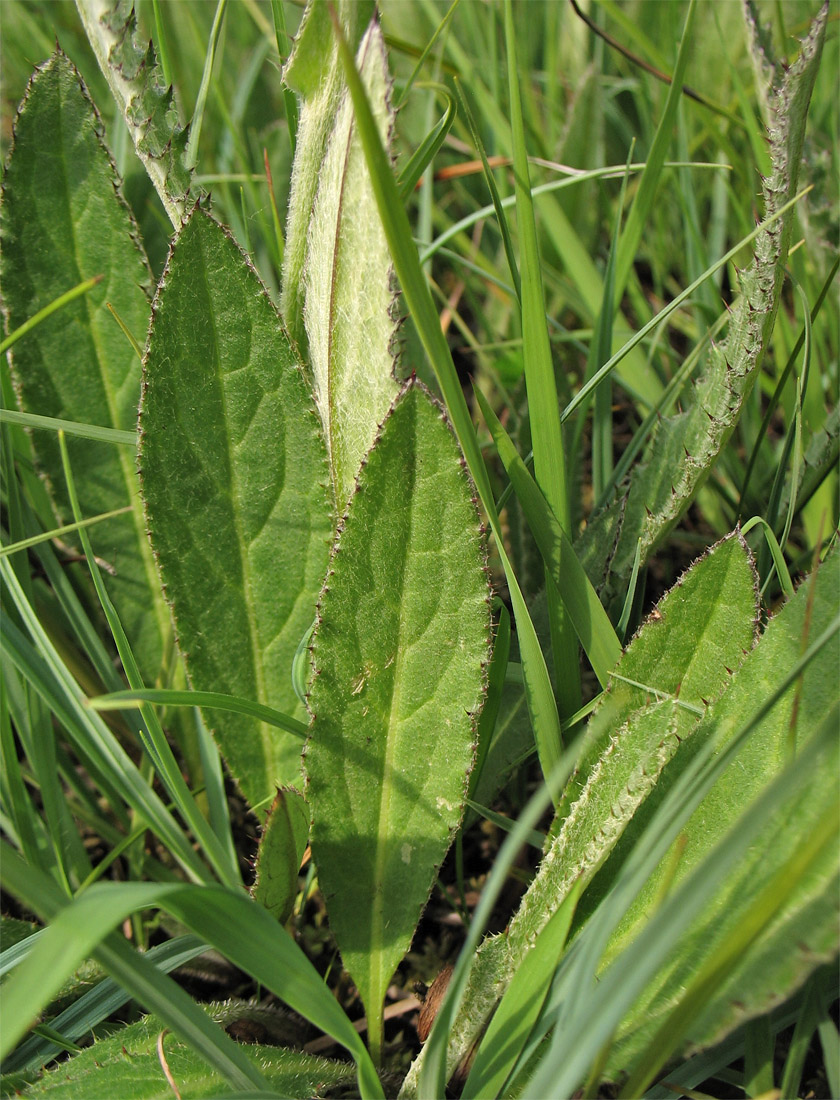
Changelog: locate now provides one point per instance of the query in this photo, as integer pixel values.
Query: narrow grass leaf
(215, 700)
(564, 570)
(233, 475)
(654, 164)
(399, 658)
(58, 532)
(152, 735)
(217, 915)
(425, 152)
(191, 152)
(501, 217)
(69, 940)
(543, 402)
(97, 746)
(59, 303)
(70, 427)
(97, 1004)
(502, 1043)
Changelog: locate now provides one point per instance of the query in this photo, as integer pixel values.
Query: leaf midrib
(385, 798)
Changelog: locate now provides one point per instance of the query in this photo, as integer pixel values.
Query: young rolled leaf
(349, 304)
(313, 71)
(234, 479)
(686, 445)
(282, 845)
(399, 658)
(64, 221)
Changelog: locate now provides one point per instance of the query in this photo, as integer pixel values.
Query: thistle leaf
(234, 479)
(399, 655)
(685, 446)
(64, 221)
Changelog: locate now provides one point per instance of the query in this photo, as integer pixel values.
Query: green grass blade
(57, 532)
(775, 551)
(543, 403)
(496, 1060)
(504, 228)
(191, 153)
(584, 392)
(42, 314)
(425, 152)
(170, 697)
(427, 49)
(485, 213)
(648, 184)
(49, 676)
(71, 427)
(98, 1004)
(219, 916)
(283, 46)
(594, 629)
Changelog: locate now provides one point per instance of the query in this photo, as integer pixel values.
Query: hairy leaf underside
(146, 104)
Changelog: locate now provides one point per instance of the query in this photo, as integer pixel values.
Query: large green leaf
(63, 221)
(234, 478)
(804, 930)
(685, 653)
(399, 655)
(128, 1065)
(349, 304)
